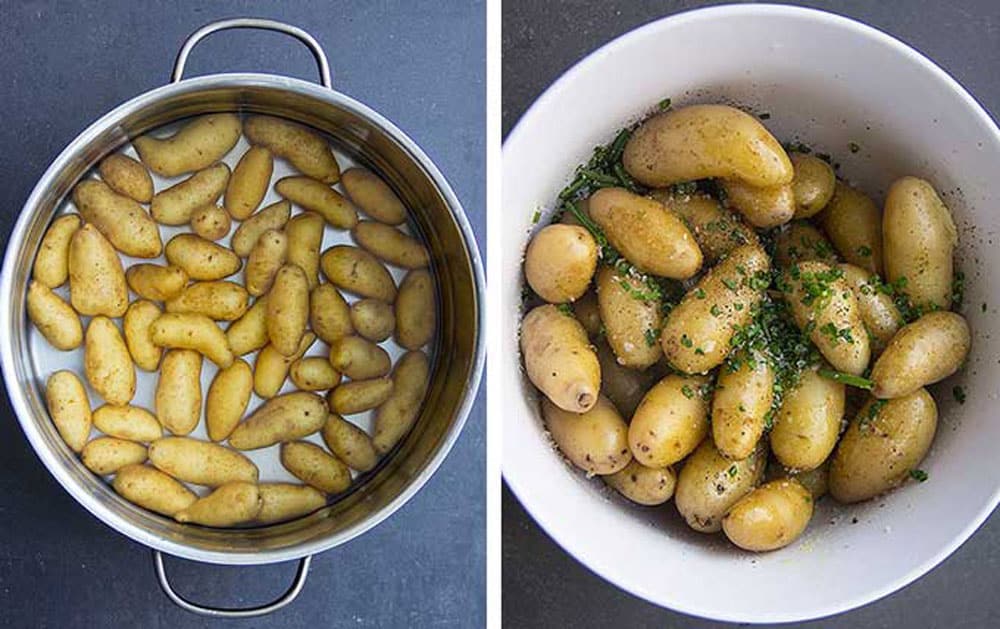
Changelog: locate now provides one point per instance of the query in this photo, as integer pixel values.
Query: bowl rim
(522, 486)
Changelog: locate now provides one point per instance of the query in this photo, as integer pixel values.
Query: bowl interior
(830, 82)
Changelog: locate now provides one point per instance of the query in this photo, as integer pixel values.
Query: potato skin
(595, 441)
(249, 332)
(305, 237)
(882, 446)
(709, 484)
(359, 272)
(125, 223)
(373, 196)
(770, 517)
(305, 150)
(107, 363)
(716, 230)
(288, 309)
(375, 320)
(807, 424)
(312, 465)
(632, 318)
(314, 373)
(559, 360)
(107, 455)
(137, 323)
(211, 222)
(813, 184)
(231, 504)
(177, 204)
(96, 278)
(248, 183)
(359, 359)
(195, 332)
(54, 318)
(643, 485)
(227, 399)
(670, 421)
(51, 267)
(271, 368)
(266, 257)
(702, 141)
(740, 404)
(315, 196)
(217, 300)
(152, 489)
(127, 422)
(127, 177)
(274, 216)
(281, 502)
(283, 418)
(415, 310)
(178, 391)
(201, 259)
(652, 238)
(800, 242)
(69, 408)
(358, 396)
(920, 239)
(854, 224)
(155, 282)
(392, 245)
(329, 314)
(761, 207)
(201, 462)
(200, 143)
(349, 443)
(924, 352)
(396, 416)
(878, 311)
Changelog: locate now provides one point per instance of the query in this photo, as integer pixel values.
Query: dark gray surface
(545, 587)
(420, 64)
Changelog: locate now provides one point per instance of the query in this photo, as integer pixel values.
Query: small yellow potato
(359, 272)
(358, 396)
(274, 216)
(266, 257)
(304, 149)
(200, 143)
(697, 333)
(249, 182)
(373, 196)
(138, 334)
(770, 517)
(128, 422)
(349, 443)
(670, 422)
(824, 307)
(329, 314)
(227, 399)
(281, 502)
(398, 414)
(125, 223)
(813, 184)
(151, 489)
(211, 222)
(924, 352)
(107, 455)
(716, 230)
(761, 207)
(315, 467)
(201, 462)
(885, 442)
(249, 332)
(69, 408)
(272, 367)
(595, 441)
(314, 373)
(743, 396)
(176, 205)
(643, 485)
(305, 237)
(127, 176)
(374, 319)
(358, 358)
(854, 225)
(920, 238)
(632, 317)
(416, 310)
(702, 141)
(395, 247)
(201, 259)
(624, 387)
(155, 282)
(52, 262)
(283, 418)
(879, 313)
(96, 277)
(231, 504)
(54, 318)
(217, 300)
(195, 332)
(178, 391)
(288, 309)
(651, 237)
(816, 480)
(315, 196)
(107, 363)
(799, 242)
(807, 424)
(559, 360)
(587, 312)
(709, 484)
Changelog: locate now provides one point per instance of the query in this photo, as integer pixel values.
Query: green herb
(918, 475)
(715, 310)
(685, 341)
(958, 289)
(959, 394)
(875, 408)
(730, 283)
(699, 293)
(685, 188)
(687, 391)
(699, 351)
(537, 217)
(853, 146)
(764, 116)
(664, 104)
(848, 379)
(865, 251)
(836, 334)
(650, 292)
(797, 147)
(652, 336)
(566, 309)
(733, 471)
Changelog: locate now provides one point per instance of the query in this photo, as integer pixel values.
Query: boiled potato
(125, 223)
(274, 216)
(283, 418)
(743, 396)
(200, 143)
(359, 272)
(761, 207)
(358, 396)
(54, 318)
(52, 261)
(227, 399)
(128, 422)
(201, 259)
(69, 408)
(178, 391)
(248, 183)
(924, 352)
(703, 141)
(96, 278)
(217, 300)
(373, 196)
(854, 224)
(211, 222)
(286, 501)
(807, 423)
(595, 441)
(314, 373)
(882, 445)
(178, 203)
(201, 462)
(272, 367)
(920, 239)
(800, 242)
(374, 319)
(416, 310)
(816, 480)
(396, 416)
(192, 331)
(648, 486)
(315, 196)
(155, 282)
(305, 150)
(138, 334)
(651, 237)
(107, 455)
(359, 359)
(559, 360)
(632, 318)
(249, 332)
(697, 333)
(770, 517)
(152, 489)
(288, 309)
(349, 443)
(392, 245)
(229, 505)
(716, 230)
(709, 484)
(266, 257)
(587, 312)
(313, 466)
(813, 184)
(878, 311)
(127, 176)
(107, 363)
(305, 237)
(670, 422)
(624, 387)
(329, 314)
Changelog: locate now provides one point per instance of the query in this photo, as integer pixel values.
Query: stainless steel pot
(369, 139)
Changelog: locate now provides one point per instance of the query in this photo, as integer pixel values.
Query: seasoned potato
(200, 143)
(152, 489)
(595, 441)
(743, 396)
(716, 230)
(359, 359)
(155, 282)
(649, 486)
(697, 333)
(359, 272)
(920, 239)
(392, 245)
(398, 414)
(125, 223)
(373, 196)
(138, 336)
(632, 317)
(227, 399)
(882, 445)
(800, 242)
(703, 141)
(878, 311)
(272, 367)
(854, 224)
(924, 352)
(249, 332)
(274, 216)
(587, 312)
(96, 278)
(107, 455)
(624, 387)
(249, 182)
(305, 237)
(217, 300)
(315, 196)
(813, 184)
(52, 262)
(201, 462)
(283, 418)
(670, 422)
(770, 517)
(314, 373)
(211, 222)
(305, 150)
(329, 314)
(176, 205)
(762, 207)
(288, 309)
(69, 408)
(107, 363)
(229, 505)
(559, 360)
(286, 501)
(178, 391)
(54, 318)
(807, 424)
(816, 480)
(349, 443)
(266, 257)
(651, 237)
(127, 176)
(312, 465)
(374, 319)
(709, 484)
(128, 422)
(358, 396)
(201, 259)
(416, 310)
(192, 331)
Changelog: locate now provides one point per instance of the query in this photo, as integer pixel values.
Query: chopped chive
(846, 378)
(918, 475)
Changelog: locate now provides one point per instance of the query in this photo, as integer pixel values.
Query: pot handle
(217, 612)
(258, 23)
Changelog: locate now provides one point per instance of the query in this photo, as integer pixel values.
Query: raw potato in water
(199, 144)
(313, 466)
(358, 396)
(201, 462)
(155, 282)
(359, 359)
(416, 310)
(69, 408)
(107, 455)
(248, 183)
(349, 443)
(288, 309)
(373, 196)
(96, 277)
(201, 259)
(359, 272)
(211, 222)
(280, 502)
(177, 204)
(305, 237)
(137, 325)
(329, 314)
(231, 504)
(128, 422)
(396, 416)
(315, 196)
(217, 300)
(107, 363)
(178, 391)
(227, 399)
(125, 223)
(246, 235)
(271, 367)
(126, 176)
(305, 150)
(51, 267)
(375, 319)
(193, 332)
(284, 418)
(152, 489)
(391, 245)
(54, 318)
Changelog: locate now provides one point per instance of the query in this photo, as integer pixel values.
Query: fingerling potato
(770, 517)
(595, 441)
(709, 484)
(879, 313)
(670, 421)
(359, 359)
(51, 267)
(632, 316)
(54, 318)
(274, 216)
(761, 207)
(393, 246)
(305, 150)
(313, 466)
(231, 504)
(716, 230)
(358, 396)
(211, 222)
(69, 408)
(178, 391)
(807, 423)
(643, 485)
(125, 223)
(280, 502)
(416, 310)
(127, 176)
(374, 319)
(201, 462)
(200, 143)
(813, 184)
(201, 259)
(137, 325)
(314, 373)
(249, 332)
(359, 272)
(248, 183)
(744, 393)
(128, 422)
(178, 203)
(315, 196)
(329, 314)
(272, 367)
(349, 443)
(195, 332)
(924, 352)
(283, 418)
(854, 224)
(559, 360)
(227, 399)
(155, 282)
(396, 416)
(107, 455)
(373, 196)
(266, 257)
(288, 309)
(217, 300)
(107, 363)
(96, 278)
(152, 489)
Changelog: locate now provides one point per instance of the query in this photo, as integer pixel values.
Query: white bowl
(829, 81)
